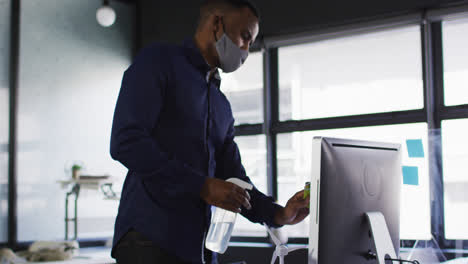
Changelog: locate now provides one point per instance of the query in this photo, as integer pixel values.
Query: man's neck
(204, 50)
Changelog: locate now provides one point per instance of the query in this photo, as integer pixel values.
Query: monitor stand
(381, 237)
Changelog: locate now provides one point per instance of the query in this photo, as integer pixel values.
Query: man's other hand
(225, 195)
(295, 211)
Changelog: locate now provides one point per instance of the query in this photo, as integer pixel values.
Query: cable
(403, 261)
(371, 255)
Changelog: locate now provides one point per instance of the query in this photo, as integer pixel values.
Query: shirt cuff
(273, 209)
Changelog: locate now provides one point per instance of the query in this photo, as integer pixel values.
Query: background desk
(102, 183)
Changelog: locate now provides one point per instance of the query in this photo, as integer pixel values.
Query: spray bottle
(222, 223)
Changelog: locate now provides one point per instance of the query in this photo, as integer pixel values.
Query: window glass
(368, 73)
(455, 41)
(294, 169)
(244, 90)
(253, 154)
(455, 158)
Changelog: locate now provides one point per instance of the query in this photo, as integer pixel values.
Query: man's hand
(225, 195)
(294, 212)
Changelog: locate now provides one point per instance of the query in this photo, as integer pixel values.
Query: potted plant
(76, 170)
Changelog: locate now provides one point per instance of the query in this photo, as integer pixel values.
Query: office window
(253, 154)
(294, 169)
(369, 73)
(244, 90)
(455, 158)
(455, 41)
(68, 89)
(4, 114)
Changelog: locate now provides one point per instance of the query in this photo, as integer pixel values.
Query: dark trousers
(134, 248)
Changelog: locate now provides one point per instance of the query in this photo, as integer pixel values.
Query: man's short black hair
(245, 3)
(210, 5)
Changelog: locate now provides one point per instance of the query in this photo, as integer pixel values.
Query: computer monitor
(349, 179)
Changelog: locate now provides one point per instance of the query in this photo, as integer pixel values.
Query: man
(173, 129)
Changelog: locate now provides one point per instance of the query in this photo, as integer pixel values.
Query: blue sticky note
(415, 148)
(410, 175)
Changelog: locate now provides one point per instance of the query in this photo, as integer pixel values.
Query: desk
(98, 255)
(103, 183)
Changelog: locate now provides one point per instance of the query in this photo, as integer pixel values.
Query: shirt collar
(196, 58)
(216, 75)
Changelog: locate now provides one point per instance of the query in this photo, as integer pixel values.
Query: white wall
(70, 74)
(4, 105)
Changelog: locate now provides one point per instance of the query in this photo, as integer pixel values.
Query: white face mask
(231, 57)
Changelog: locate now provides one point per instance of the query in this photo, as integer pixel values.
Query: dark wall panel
(167, 21)
(302, 15)
(172, 21)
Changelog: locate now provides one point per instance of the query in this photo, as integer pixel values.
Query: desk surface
(98, 255)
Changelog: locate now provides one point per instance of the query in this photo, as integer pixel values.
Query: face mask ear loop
(224, 26)
(214, 34)
(224, 29)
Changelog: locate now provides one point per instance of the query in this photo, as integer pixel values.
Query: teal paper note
(410, 175)
(415, 148)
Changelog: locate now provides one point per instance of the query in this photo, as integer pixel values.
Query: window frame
(433, 112)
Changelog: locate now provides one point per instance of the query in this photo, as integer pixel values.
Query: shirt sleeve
(138, 108)
(229, 165)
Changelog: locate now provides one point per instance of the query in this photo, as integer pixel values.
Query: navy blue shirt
(173, 128)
